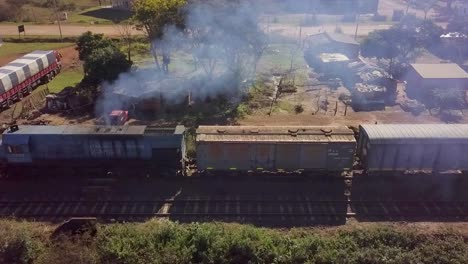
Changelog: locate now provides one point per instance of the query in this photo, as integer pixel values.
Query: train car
(21, 76)
(410, 147)
(274, 149)
(103, 147)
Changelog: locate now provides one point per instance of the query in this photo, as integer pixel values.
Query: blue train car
(104, 147)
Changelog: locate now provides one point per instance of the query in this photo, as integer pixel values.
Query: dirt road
(350, 29)
(67, 30)
(110, 30)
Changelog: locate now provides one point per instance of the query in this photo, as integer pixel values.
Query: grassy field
(85, 12)
(67, 78)
(20, 48)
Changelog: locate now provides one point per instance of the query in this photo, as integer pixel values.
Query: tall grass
(168, 242)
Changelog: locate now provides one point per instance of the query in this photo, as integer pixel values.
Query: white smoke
(223, 39)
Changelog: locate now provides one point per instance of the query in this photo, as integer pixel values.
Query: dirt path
(110, 30)
(67, 30)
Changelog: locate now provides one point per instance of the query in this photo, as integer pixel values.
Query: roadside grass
(85, 11)
(66, 78)
(39, 38)
(22, 48)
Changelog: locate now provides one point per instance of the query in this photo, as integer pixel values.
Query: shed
(274, 148)
(423, 78)
(326, 42)
(401, 147)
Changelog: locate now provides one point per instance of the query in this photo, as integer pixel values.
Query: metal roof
(326, 38)
(343, 38)
(96, 130)
(274, 134)
(412, 133)
(333, 57)
(440, 71)
(79, 130)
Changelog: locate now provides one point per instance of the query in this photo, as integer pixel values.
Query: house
(326, 42)
(422, 79)
(122, 4)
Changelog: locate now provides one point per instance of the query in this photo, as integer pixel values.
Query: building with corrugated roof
(326, 42)
(422, 79)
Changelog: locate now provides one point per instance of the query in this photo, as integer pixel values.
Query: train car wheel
(20, 95)
(29, 89)
(9, 103)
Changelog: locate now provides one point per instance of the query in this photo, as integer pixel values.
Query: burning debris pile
(372, 87)
(336, 56)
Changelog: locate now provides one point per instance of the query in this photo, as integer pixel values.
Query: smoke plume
(223, 40)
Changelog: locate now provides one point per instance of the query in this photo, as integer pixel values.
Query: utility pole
(357, 25)
(58, 20)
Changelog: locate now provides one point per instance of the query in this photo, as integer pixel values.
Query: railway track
(248, 210)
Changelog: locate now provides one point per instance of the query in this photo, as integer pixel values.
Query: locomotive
(238, 150)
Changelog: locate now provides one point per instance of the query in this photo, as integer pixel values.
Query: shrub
(168, 242)
(72, 250)
(298, 108)
(18, 243)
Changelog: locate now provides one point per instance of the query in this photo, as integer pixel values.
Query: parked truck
(21, 76)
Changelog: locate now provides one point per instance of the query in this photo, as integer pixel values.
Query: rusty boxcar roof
(412, 133)
(274, 134)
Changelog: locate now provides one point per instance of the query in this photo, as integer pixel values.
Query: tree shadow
(115, 15)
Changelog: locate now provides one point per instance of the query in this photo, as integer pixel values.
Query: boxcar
(104, 147)
(404, 147)
(273, 149)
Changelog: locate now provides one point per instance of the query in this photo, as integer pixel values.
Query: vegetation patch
(70, 77)
(8, 49)
(167, 242)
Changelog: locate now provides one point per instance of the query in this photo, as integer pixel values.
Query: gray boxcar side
(434, 147)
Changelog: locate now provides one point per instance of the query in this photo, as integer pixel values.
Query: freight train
(239, 150)
(19, 77)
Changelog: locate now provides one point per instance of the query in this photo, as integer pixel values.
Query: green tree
(88, 42)
(394, 44)
(400, 43)
(105, 64)
(154, 16)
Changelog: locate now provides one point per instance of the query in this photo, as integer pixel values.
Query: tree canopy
(401, 42)
(88, 42)
(155, 15)
(103, 61)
